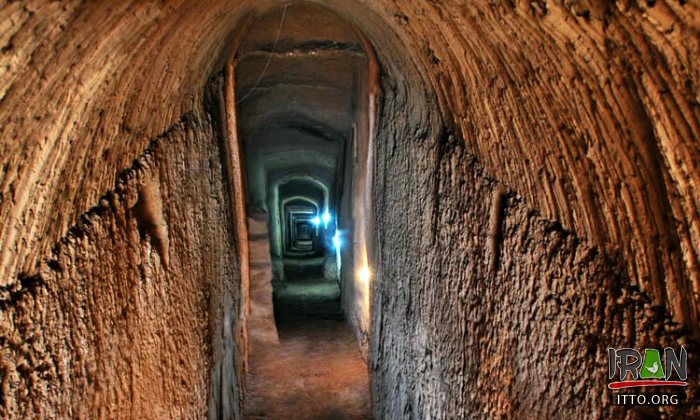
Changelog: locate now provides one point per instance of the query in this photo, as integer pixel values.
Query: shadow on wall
(475, 286)
(143, 290)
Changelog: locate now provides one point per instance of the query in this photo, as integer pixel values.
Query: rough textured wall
(355, 210)
(587, 108)
(591, 111)
(484, 309)
(132, 314)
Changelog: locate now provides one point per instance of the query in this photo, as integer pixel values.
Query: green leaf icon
(651, 367)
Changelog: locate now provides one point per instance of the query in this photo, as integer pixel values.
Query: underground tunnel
(349, 209)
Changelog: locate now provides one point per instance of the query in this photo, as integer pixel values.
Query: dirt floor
(316, 371)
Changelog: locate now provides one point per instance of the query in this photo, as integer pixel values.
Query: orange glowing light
(364, 274)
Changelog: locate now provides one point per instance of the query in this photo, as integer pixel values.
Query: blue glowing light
(326, 217)
(316, 221)
(336, 241)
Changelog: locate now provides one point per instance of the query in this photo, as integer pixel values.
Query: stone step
(257, 227)
(259, 251)
(261, 322)
(260, 279)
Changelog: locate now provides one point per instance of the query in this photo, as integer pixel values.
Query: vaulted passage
(300, 76)
(349, 209)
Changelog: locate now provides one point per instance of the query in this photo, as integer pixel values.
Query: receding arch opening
(306, 102)
(302, 109)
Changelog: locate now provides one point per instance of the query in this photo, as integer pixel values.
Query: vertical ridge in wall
(459, 336)
(135, 306)
(261, 322)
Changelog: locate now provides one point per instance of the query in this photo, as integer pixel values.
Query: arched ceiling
(302, 188)
(297, 86)
(588, 109)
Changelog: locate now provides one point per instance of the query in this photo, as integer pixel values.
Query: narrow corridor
(315, 372)
(303, 107)
(350, 209)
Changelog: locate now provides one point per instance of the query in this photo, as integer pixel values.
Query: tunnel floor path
(316, 371)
